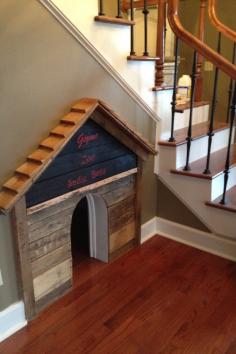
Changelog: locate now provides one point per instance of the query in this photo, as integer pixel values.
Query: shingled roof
(26, 174)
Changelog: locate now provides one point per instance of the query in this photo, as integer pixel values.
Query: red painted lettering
(86, 159)
(98, 173)
(86, 139)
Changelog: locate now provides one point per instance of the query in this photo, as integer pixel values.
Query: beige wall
(44, 71)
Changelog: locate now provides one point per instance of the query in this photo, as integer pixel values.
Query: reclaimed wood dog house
(92, 153)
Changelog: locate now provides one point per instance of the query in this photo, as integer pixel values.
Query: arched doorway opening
(89, 230)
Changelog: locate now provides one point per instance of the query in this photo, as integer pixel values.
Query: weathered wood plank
(121, 214)
(138, 201)
(50, 211)
(45, 227)
(48, 244)
(51, 259)
(125, 190)
(53, 295)
(122, 237)
(122, 250)
(52, 279)
(20, 232)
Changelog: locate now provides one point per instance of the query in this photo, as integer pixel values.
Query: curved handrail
(208, 53)
(221, 27)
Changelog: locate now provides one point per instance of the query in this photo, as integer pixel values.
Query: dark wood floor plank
(162, 297)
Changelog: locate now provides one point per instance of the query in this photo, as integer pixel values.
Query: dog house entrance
(89, 229)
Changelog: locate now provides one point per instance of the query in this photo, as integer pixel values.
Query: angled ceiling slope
(25, 175)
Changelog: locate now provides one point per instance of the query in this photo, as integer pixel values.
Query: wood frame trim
(138, 201)
(195, 43)
(221, 27)
(20, 234)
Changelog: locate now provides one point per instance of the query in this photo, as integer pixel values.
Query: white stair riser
(217, 184)
(173, 158)
(200, 115)
(199, 147)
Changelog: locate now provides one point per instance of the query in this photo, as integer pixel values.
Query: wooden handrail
(221, 27)
(203, 49)
(138, 4)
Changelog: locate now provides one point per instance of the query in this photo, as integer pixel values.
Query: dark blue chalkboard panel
(91, 155)
(90, 135)
(84, 158)
(59, 185)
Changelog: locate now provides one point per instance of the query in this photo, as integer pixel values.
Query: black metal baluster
(132, 51)
(145, 12)
(101, 10)
(173, 103)
(213, 109)
(227, 164)
(189, 137)
(119, 12)
(231, 86)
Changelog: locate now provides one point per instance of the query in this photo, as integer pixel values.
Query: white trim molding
(204, 241)
(148, 230)
(55, 11)
(12, 319)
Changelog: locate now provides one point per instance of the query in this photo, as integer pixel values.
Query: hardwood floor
(162, 297)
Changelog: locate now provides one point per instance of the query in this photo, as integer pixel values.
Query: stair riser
(173, 158)
(217, 184)
(199, 147)
(200, 115)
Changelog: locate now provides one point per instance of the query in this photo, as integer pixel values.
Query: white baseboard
(204, 241)
(148, 230)
(12, 319)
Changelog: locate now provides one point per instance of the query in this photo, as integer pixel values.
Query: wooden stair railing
(221, 27)
(195, 43)
(230, 34)
(201, 36)
(200, 48)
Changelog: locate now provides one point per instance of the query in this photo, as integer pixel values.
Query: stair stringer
(194, 192)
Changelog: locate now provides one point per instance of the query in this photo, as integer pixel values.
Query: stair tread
(141, 58)
(217, 164)
(180, 108)
(114, 20)
(230, 201)
(198, 130)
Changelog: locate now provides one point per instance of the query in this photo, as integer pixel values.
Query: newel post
(160, 46)
(201, 36)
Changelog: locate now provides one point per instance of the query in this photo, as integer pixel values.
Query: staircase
(197, 153)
